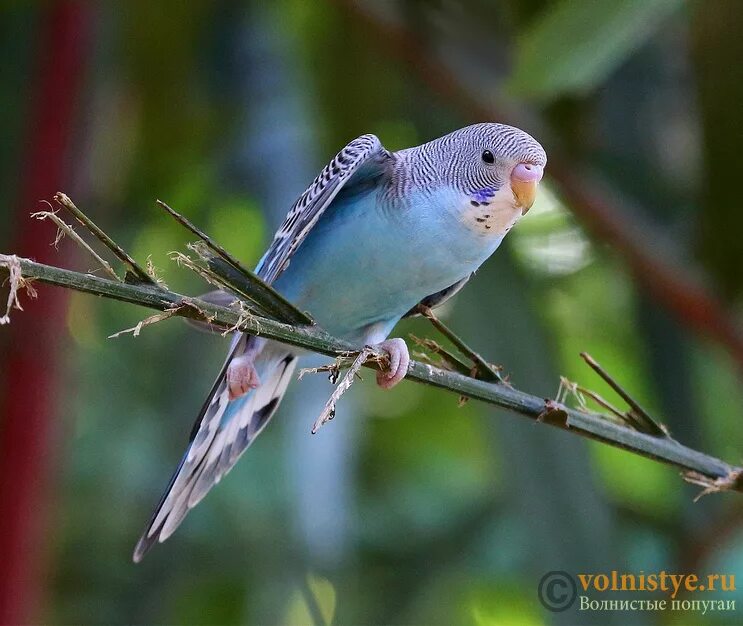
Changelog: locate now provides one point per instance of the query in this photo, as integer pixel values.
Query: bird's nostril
(527, 173)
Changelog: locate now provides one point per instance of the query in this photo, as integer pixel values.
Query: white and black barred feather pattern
(363, 151)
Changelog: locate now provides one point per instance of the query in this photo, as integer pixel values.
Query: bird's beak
(524, 180)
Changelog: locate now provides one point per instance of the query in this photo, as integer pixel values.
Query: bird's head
(488, 159)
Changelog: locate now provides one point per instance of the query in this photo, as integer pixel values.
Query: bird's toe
(241, 377)
(399, 357)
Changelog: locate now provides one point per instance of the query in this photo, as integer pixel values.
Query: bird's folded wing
(362, 160)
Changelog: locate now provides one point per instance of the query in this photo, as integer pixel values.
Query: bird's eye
(488, 157)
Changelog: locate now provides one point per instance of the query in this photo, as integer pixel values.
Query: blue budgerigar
(376, 233)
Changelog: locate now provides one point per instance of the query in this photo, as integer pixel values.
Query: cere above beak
(524, 180)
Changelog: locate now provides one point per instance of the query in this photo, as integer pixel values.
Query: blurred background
(405, 509)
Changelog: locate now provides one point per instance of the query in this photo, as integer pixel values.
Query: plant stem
(229, 268)
(664, 450)
(139, 273)
(487, 371)
(636, 413)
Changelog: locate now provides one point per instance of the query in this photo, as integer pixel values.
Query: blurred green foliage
(574, 45)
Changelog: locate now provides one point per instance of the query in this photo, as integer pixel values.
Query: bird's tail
(222, 432)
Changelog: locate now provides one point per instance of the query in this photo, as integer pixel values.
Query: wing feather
(437, 299)
(364, 157)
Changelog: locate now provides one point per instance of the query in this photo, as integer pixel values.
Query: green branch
(238, 278)
(702, 469)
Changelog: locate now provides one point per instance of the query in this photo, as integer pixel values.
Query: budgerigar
(376, 233)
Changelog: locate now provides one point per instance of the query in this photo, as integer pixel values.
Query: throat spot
(492, 217)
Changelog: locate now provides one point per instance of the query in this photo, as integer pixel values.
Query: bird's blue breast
(369, 261)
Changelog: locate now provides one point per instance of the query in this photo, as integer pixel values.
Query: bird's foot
(241, 376)
(399, 357)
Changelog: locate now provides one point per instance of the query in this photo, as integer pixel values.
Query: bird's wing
(224, 428)
(360, 162)
(438, 298)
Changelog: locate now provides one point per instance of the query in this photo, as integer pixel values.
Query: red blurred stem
(602, 209)
(30, 365)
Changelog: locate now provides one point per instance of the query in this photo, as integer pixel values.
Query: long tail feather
(223, 431)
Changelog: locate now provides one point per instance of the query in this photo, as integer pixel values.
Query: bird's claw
(399, 358)
(241, 376)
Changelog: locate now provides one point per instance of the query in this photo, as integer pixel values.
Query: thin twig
(570, 388)
(175, 310)
(140, 274)
(152, 319)
(637, 413)
(446, 358)
(714, 473)
(733, 481)
(215, 280)
(251, 289)
(64, 229)
(154, 273)
(485, 370)
(213, 245)
(16, 281)
(260, 292)
(622, 417)
(248, 282)
(183, 260)
(328, 412)
(334, 369)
